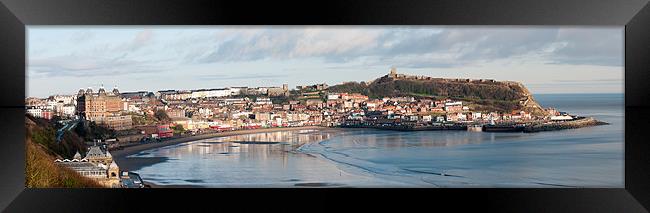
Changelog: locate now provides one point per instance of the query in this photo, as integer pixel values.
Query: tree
(162, 116)
(178, 129)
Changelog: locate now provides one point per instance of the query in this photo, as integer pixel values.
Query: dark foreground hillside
(40, 169)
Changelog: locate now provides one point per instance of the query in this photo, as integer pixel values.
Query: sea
(591, 157)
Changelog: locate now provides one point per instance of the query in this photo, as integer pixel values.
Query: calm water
(586, 157)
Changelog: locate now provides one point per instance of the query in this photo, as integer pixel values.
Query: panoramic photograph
(324, 107)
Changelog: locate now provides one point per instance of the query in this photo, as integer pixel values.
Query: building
(278, 91)
(313, 102)
(96, 155)
(455, 106)
(104, 108)
(354, 97)
(36, 102)
(132, 95)
(40, 113)
(176, 113)
(97, 165)
(185, 122)
(156, 131)
(118, 122)
(68, 110)
(333, 96)
(64, 99)
(561, 118)
(210, 93)
(393, 72)
(263, 101)
(318, 87)
(173, 95)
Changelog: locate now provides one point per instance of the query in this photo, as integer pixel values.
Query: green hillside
(42, 150)
(480, 95)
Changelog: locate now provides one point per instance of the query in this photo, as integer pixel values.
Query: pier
(551, 126)
(528, 127)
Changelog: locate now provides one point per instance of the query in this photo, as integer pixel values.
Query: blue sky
(62, 59)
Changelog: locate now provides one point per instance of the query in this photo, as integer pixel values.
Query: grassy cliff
(41, 172)
(41, 151)
(502, 96)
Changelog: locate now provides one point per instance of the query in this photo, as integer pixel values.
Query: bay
(585, 157)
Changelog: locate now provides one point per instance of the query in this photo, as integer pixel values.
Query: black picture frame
(15, 15)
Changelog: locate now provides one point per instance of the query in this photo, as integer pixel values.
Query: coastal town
(157, 116)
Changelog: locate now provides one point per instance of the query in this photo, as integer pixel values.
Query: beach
(248, 155)
(135, 163)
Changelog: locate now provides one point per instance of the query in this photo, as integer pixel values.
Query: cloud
(589, 46)
(454, 47)
(143, 37)
(237, 77)
(148, 50)
(76, 66)
(82, 36)
(266, 45)
(140, 40)
(330, 44)
(421, 47)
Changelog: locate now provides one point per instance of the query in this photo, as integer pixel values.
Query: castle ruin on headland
(527, 102)
(395, 76)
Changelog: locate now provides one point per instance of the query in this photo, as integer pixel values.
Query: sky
(563, 59)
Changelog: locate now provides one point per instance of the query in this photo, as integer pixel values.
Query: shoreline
(135, 163)
(151, 185)
(119, 156)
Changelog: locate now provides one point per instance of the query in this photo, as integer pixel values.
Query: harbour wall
(579, 123)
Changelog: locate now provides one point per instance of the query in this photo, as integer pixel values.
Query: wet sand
(295, 137)
(297, 185)
(153, 185)
(134, 163)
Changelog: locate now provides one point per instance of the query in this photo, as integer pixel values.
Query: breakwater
(578, 123)
(529, 127)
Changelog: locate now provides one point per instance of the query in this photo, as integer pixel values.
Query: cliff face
(484, 95)
(528, 103)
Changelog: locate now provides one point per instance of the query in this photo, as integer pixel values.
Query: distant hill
(487, 95)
